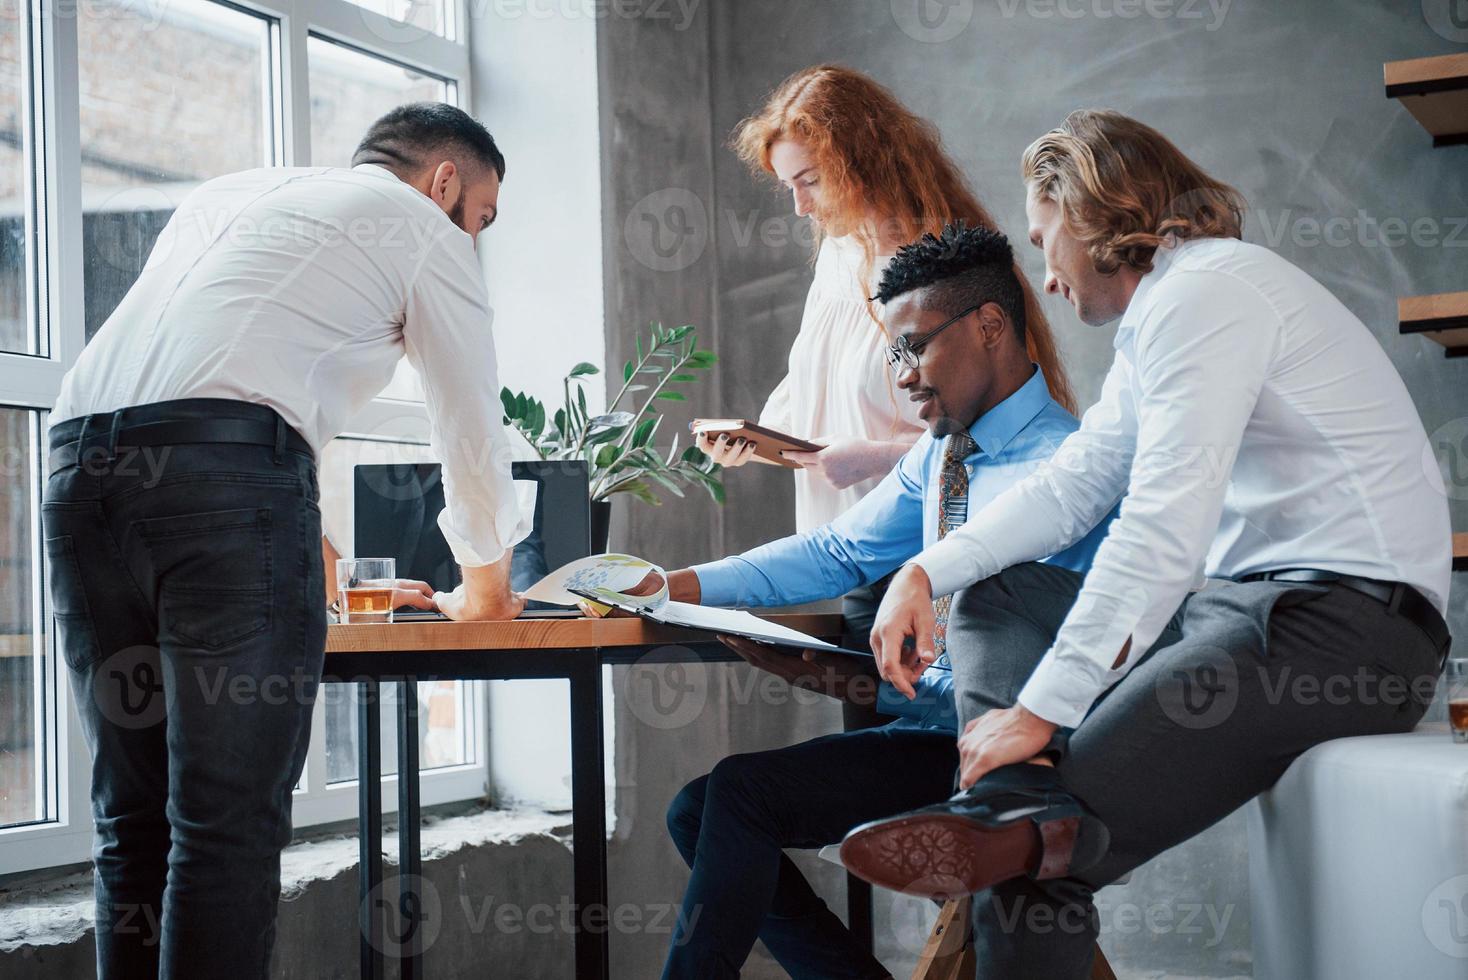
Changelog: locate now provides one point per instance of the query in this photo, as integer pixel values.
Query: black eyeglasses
(905, 355)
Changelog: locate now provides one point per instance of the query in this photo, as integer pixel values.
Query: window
(17, 322)
(147, 101)
(170, 96)
(425, 15)
(25, 789)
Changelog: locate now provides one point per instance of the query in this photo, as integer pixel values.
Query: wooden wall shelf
(1460, 552)
(1435, 90)
(1442, 318)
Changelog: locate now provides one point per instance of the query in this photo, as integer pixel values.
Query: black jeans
(188, 590)
(731, 825)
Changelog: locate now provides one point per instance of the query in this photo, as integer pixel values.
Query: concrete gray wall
(1282, 99)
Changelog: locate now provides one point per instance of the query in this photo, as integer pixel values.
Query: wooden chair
(949, 951)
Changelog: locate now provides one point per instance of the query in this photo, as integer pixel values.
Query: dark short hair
(408, 137)
(962, 268)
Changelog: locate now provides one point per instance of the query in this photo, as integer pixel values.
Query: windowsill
(55, 907)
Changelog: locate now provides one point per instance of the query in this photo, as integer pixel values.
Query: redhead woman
(871, 176)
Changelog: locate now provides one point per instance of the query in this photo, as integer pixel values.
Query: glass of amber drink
(365, 589)
(1457, 681)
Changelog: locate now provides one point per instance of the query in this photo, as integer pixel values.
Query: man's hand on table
(835, 675)
(462, 608)
(902, 636)
(411, 592)
(484, 595)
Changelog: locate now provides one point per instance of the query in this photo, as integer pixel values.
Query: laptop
(397, 507)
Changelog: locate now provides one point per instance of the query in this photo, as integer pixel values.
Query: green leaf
(644, 432)
(703, 359)
(560, 420)
(609, 433)
(581, 403)
(640, 490)
(671, 486)
(652, 369)
(693, 455)
(683, 377)
(507, 400)
(627, 372)
(537, 420)
(583, 369)
(716, 490)
(607, 456)
(632, 389)
(672, 396)
(637, 341)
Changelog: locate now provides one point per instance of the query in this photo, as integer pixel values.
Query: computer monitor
(396, 516)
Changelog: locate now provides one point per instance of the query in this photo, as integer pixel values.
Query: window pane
(23, 730)
(16, 331)
(446, 717)
(420, 16)
(350, 90)
(171, 95)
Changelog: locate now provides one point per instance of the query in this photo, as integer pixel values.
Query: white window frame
(34, 381)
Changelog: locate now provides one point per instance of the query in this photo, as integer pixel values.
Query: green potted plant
(618, 444)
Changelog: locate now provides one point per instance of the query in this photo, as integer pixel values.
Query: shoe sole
(941, 856)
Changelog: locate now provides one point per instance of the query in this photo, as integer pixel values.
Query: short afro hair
(964, 267)
(415, 135)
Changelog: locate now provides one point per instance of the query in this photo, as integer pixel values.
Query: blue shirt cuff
(719, 583)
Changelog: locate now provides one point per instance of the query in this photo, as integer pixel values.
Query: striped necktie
(952, 512)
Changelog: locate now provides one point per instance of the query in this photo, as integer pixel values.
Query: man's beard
(456, 213)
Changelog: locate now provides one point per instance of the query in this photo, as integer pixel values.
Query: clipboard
(730, 622)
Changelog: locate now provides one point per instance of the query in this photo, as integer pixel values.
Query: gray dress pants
(1246, 678)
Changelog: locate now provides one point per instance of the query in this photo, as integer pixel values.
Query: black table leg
(410, 899)
(859, 893)
(369, 828)
(859, 911)
(589, 822)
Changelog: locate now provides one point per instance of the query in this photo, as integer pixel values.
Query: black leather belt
(172, 432)
(1399, 598)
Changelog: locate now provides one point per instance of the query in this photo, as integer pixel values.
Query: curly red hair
(877, 157)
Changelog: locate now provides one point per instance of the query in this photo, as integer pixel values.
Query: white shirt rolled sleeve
(447, 338)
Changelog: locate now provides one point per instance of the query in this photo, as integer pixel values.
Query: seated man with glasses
(957, 309)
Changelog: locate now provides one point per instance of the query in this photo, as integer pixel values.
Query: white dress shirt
(1253, 423)
(839, 382)
(301, 289)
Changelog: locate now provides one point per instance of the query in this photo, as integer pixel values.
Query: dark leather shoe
(1016, 820)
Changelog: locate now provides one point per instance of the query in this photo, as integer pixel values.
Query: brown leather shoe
(1017, 820)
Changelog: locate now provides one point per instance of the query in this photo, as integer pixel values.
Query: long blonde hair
(1123, 188)
(876, 156)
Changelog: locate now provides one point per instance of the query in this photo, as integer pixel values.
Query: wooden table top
(541, 634)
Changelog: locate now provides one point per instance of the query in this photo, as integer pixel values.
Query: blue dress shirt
(897, 520)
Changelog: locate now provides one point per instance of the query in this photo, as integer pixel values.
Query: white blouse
(839, 383)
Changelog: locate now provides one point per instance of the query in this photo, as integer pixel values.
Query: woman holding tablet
(872, 177)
